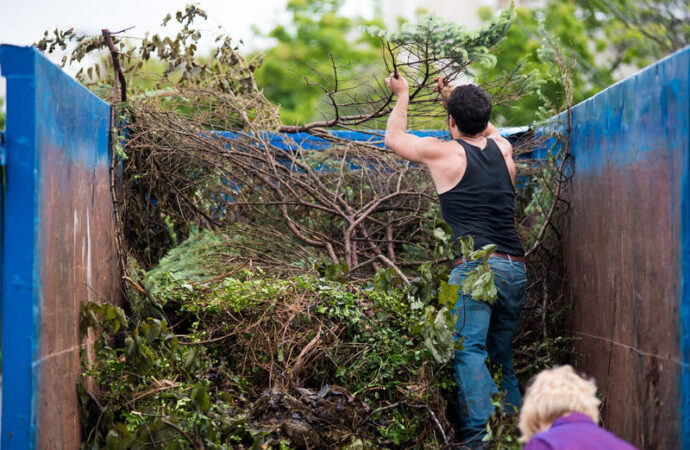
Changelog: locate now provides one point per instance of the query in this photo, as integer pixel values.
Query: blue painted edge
(20, 285)
(684, 310)
(3, 155)
(627, 79)
(308, 141)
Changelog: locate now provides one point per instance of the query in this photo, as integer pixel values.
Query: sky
(22, 22)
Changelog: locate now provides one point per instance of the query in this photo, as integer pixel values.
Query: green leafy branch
(479, 283)
(431, 293)
(448, 41)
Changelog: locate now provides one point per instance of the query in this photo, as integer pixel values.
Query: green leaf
(437, 330)
(152, 332)
(448, 294)
(130, 346)
(201, 398)
(479, 283)
(441, 235)
(467, 246)
(190, 358)
(122, 319)
(483, 253)
(425, 270)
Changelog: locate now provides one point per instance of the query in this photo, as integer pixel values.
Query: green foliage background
(599, 36)
(521, 46)
(636, 32)
(304, 48)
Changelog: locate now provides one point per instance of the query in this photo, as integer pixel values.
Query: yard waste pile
(258, 360)
(212, 354)
(277, 297)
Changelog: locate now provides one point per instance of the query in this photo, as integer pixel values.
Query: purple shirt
(576, 431)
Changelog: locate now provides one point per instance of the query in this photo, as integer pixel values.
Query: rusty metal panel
(625, 251)
(69, 236)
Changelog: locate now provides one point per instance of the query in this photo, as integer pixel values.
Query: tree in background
(521, 48)
(599, 38)
(638, 32)
(308, 48)
(2, 115)
(319, 39)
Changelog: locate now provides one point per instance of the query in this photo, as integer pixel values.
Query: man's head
(470, 108)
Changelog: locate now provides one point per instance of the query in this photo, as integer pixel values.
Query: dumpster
(627, 248)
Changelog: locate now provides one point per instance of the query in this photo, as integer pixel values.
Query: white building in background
(464, 12)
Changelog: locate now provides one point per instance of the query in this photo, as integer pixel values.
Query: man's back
(482, 203)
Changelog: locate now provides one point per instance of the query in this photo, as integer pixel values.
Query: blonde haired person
(561, 411)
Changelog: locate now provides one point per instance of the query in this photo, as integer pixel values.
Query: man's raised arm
(409, 146)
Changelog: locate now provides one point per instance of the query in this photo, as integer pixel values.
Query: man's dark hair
(470, 107)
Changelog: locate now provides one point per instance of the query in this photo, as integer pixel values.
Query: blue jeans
(487, 328)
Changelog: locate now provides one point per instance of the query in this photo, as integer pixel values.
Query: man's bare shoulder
(503, 144)
(431, 140)
(444, 143)
(435, 148)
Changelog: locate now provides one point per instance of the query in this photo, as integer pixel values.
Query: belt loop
(512, 266)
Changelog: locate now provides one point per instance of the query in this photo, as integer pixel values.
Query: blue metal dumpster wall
(628, 251)
(58, 245)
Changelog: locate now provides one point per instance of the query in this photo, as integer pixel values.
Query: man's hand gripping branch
(409, 146)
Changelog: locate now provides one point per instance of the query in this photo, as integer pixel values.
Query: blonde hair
(554, 393)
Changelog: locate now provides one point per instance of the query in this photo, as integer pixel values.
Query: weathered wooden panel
(60, 209)
(625, 260)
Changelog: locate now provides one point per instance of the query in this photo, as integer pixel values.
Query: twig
(392, 265)
(227, 274)
(395, 66)
(123, 30)
(434, 419)
(136, 285)
(101, 409)
(209, 341)
(152, 391)
(195, 444)
(116, 64)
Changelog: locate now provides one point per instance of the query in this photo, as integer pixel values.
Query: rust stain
(80, 264)
(622, 258)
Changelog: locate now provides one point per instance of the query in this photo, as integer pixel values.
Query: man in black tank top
(474, 175)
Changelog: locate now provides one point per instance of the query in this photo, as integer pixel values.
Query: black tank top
(482, 204)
